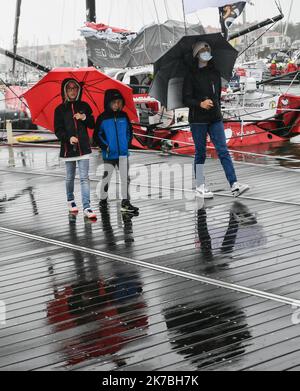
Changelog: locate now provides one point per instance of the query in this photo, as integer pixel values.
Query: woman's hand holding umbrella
(74, 140)
(172, 68)
(80, 116)
(207, 104)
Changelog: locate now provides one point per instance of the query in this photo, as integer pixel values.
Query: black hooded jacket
(66, 126)
(201, 84)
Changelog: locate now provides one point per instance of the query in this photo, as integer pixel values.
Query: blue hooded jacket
(113, 131)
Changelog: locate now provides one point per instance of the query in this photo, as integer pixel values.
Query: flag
(194, 5)
(228, 14)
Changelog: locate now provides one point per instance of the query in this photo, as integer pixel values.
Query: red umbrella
(45, 96)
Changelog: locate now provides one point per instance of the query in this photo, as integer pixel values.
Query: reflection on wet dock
(182, 286)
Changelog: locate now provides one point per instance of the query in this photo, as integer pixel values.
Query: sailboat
(252, 116)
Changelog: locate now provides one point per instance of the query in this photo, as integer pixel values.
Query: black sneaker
(103, 204)
(128, 208)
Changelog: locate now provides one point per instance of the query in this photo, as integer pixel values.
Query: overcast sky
(56, 21)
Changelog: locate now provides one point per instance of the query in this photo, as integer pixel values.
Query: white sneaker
(90, 214)
(73, 207)
(238, 189)
(202, 191)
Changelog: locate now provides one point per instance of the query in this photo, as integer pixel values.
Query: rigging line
(260, 111)
(243, 115)
(47, 104)
(132, 15)
(143, 13)
(247, 112)
(273, 131)
(156, 11)
(269, 28)
(167, 9)
(275, 157)
(191, 144)
(165, 6)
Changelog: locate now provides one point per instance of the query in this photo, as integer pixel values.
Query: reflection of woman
(72, 119)
(29, 190)
(242, 231)
(209, 333)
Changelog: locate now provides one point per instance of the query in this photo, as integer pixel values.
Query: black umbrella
(171, 69)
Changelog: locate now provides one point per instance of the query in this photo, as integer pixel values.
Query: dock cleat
(89, 214)
(73, 207)
(202, 191)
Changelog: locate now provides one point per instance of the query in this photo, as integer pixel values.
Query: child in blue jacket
(113, 134)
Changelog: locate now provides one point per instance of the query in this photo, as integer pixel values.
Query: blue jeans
(84, 166)
(217, 135)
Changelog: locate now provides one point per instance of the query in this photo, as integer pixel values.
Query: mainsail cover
(114, 49)
(228, 14)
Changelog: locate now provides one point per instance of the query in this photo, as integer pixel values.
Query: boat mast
(24, 60)
(16, 32)
(90, 18)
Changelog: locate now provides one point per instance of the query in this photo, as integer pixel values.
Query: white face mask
(205, 56)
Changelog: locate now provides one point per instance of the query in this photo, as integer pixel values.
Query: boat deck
(179, 287)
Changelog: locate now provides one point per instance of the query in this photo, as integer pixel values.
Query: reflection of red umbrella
(45, 96)
(110, 329)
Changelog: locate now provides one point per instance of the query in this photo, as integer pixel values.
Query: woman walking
(72, 119)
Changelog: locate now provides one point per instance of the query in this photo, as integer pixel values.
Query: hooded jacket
(66, 126)
(113, 130)
(201, 84)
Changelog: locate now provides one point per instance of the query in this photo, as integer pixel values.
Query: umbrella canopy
(171, 69)
(45, 96)
(155, 40)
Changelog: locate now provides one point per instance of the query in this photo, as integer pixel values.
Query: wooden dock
(180, 287)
